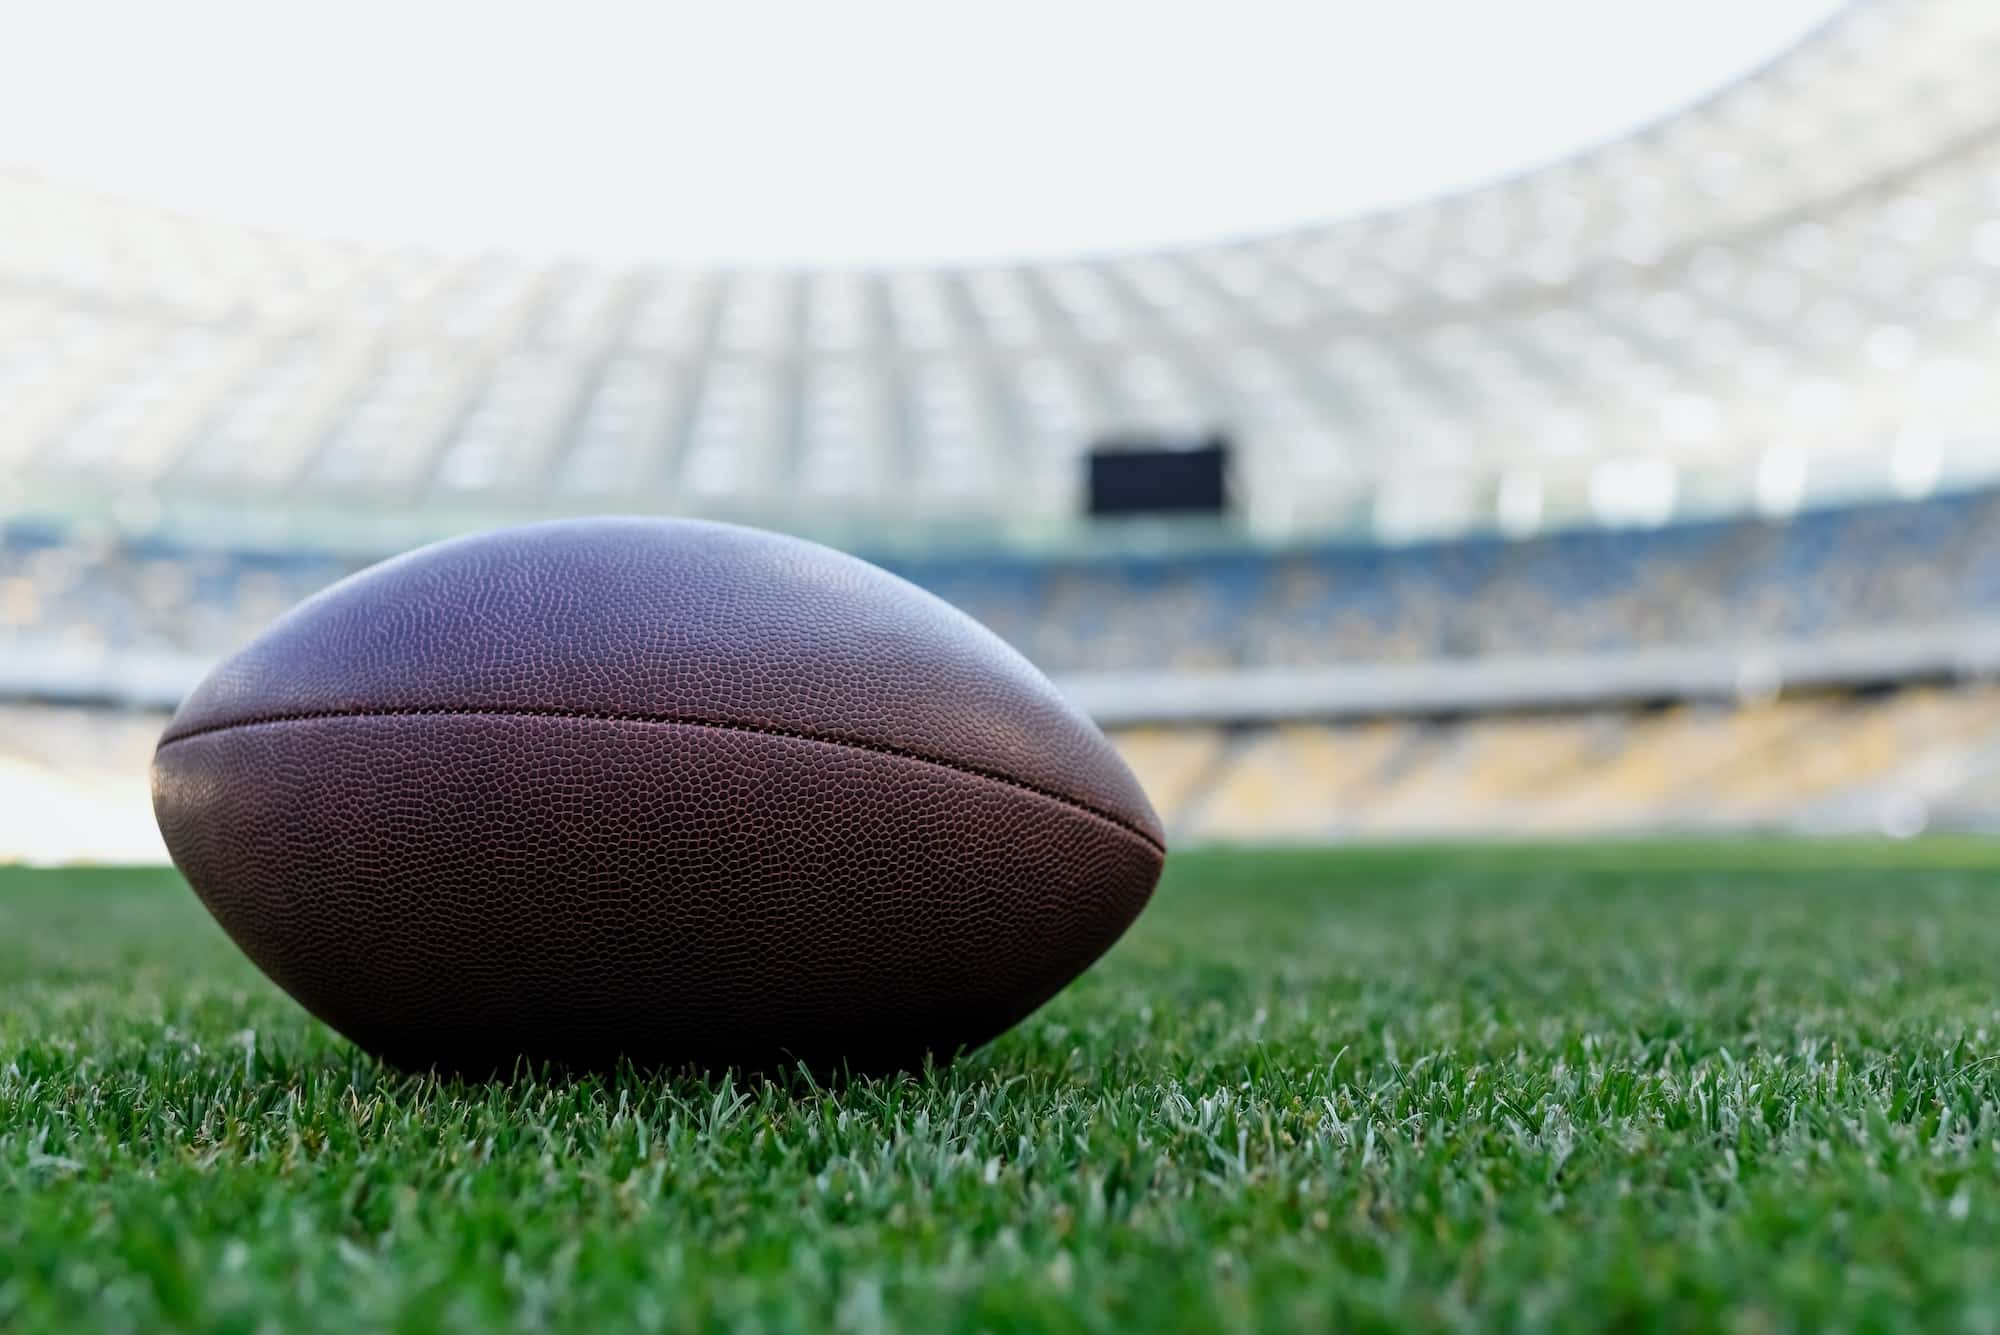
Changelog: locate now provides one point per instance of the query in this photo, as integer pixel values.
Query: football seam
(676, 720)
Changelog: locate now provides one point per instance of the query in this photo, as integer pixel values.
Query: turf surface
(1749, 1087)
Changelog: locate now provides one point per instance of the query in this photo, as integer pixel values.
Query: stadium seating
(1888, 564)
(1891, 762)
(72, 780)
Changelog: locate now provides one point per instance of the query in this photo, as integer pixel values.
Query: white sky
(844, 131)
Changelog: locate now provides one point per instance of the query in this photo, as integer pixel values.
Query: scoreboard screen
(1160, 476)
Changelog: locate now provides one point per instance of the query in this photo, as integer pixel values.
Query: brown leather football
(654, 789)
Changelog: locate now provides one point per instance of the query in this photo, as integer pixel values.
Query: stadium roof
(1788, 293)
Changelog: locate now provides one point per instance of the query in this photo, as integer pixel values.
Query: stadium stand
(1885, 565)
(72, 779)
(1706, 419)
(1892, 762)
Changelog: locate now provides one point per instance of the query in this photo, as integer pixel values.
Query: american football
(653, 789)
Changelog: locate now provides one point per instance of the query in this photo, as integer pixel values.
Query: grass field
(1738, 1086)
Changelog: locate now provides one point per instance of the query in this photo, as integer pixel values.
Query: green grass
(1746, 1086)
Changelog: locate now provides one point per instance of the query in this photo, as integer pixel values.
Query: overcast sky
(864, 131)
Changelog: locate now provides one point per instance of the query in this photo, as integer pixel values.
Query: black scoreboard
(1160, 475)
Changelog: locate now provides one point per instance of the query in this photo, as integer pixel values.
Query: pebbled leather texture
(659, 789)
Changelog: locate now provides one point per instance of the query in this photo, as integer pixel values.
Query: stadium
(1570, 686)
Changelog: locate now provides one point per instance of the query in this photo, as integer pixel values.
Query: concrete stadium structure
(1606, 482)
(1786, 295)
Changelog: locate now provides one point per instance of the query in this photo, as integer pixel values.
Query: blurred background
(1577, 419)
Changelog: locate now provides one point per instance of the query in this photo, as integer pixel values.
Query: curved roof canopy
(1789, 292)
